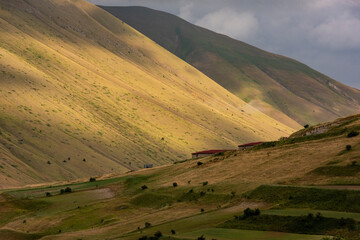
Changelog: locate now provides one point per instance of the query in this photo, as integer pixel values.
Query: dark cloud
(324, 34)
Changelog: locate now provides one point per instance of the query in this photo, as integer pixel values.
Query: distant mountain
(279, 86)
(83, 94)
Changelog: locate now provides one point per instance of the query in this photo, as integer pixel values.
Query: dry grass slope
(84, 94)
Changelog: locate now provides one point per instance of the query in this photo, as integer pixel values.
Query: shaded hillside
(281, 87)
(84, 94)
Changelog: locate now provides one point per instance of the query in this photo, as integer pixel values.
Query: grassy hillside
(296, 200)
(84, 94)
(281, 87)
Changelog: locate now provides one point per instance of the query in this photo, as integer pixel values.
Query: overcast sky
(324, 34)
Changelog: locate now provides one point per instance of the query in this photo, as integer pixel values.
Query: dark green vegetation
(308, 224)
(307, 197)
(265, 80)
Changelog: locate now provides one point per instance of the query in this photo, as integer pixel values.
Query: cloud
(342, 32)
(185, 11)
(240, 25)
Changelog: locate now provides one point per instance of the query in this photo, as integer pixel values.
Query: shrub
(48, 162)
(250, 213)
(352, 134)
(348, 147)
(173, 231)
(147, 225)
(175, 184)
(205, 183)
(201, 237)
(84, 160)
(233, 194)
(353, 163)
(158, 234)
(48, 194)
(92, 179)
(199, 163)
(66, 190)
(202, 210)
(143, 187)
(306, 126)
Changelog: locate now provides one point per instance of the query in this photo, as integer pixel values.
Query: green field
(234, 234)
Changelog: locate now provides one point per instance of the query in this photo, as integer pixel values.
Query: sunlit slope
(281, 87)
(82, 94)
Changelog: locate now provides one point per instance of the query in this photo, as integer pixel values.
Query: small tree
(147, 225)
(48, 162)
(352, 134)
(202, 210)
(67, 190)
(173, 231)
(205, 183)
(92, 179)
(199, 163)
(201, 237)
(175, 184)
(306, 126)
(348, 147)
(158, 234)
(48, 194)
(143, 187)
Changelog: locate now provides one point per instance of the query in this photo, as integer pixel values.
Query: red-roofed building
(206, 153)
(249, 145)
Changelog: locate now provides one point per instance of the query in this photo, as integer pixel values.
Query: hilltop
(283, 88)
(312, 179)
(84, 94)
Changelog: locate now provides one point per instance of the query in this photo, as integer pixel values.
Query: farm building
(148, 165)
(206, 153)
(249, 145)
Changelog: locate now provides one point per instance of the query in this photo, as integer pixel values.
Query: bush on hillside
(250, 213)
(348, 147)
(175, 184)
(92, 179)
(199, 163)
(143, 187)
(306, 126)
(201, 237)
(352, 134)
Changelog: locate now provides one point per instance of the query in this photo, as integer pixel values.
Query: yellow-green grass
(78, 83)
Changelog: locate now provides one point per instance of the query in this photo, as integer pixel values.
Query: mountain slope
(84, 94)
(281, 87)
